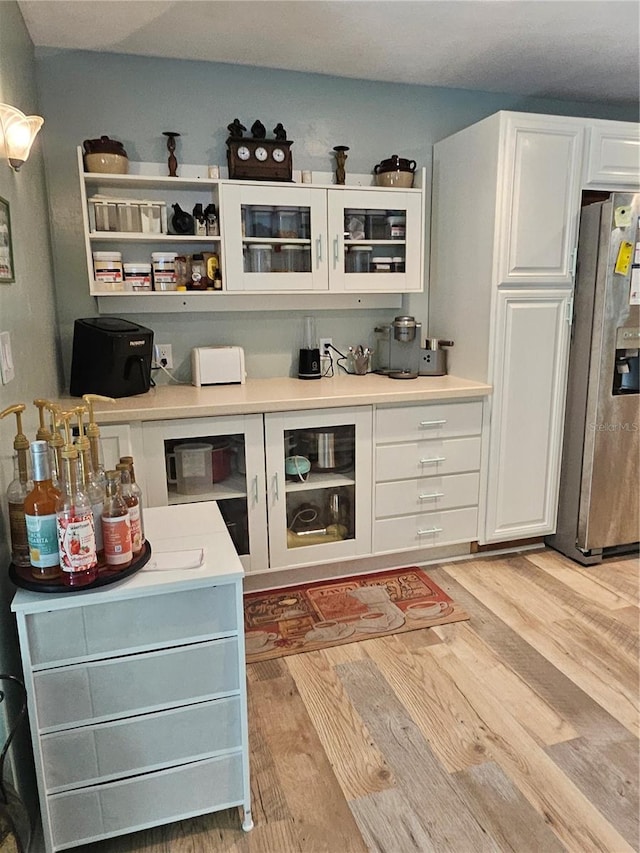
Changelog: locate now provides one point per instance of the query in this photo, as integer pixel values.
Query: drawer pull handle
(319, 251)
(336, 252)
(256, 490)
(432, 495)
(430, 530)
(428, 459)
(433, 423)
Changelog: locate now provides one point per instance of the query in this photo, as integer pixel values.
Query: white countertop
(281, 394)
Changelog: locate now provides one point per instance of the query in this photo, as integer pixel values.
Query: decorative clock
(257, 158)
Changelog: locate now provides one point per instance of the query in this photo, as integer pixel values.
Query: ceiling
(584, 50)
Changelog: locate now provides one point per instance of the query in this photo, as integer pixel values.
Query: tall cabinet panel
(530, 351)
(511, 184)
(540, 189)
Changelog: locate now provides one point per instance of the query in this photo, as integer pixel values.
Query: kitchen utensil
(297, 468)
(359, 358)
(192, 463)
(181, 221)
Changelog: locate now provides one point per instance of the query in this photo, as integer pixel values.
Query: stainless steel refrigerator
(598, 512)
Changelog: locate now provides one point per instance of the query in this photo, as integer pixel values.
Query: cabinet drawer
(91, 813)
(427, 458)
(92, 754)
(425, 530)
(412, 423)
(137, 623)
(429, 493)
(101, 690)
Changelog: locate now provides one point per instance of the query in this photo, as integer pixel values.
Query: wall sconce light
(18, 132)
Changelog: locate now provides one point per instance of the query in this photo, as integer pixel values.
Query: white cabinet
(235, 474)
(275, 519)
(427, 461)
(303, 238)
(512, 185)
(135, 244)
(273, 238)
(531, 339)
(538, 193)
(323, 514)
(612, 158)
(136, 691)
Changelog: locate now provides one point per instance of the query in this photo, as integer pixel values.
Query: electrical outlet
(163, 355)
(324, 344)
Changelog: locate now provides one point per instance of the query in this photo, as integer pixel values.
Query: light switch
(7, 372)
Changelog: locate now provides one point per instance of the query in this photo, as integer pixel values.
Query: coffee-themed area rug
(313, 616)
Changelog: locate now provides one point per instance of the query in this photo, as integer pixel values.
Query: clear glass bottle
(116, 525)
(95, 489)
(18, 490)
(133, 505)
(40, 516)
(75, 526)
(137, 491)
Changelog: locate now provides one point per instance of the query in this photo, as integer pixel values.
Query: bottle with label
(74, 523)
(133, 505)
(40, 516)
(198, 280)
(137, 491)
(92, 484)
(211, 219)
(199, 221)
(116, 525)
(18, 490)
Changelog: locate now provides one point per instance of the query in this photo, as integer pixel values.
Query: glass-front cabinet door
(206, 459)
(318, 485)
(275, 238)
(376, 240)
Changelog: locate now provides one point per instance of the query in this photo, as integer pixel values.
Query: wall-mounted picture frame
(7, 274)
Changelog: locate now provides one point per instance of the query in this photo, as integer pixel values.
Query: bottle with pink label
(75, 525)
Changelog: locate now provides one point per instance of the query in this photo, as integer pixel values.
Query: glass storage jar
(287, 222)
(260, 223)
(358, 259)
(292, 258)
(259, 257)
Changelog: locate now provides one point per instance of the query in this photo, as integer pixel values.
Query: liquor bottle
(137, 491)
(74, 524)
(116, 525)
(92, 484)
(40, 516)
(133, 505)
(18, 490)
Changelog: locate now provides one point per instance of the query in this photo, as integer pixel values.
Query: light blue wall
(84, 95)
(27, 311)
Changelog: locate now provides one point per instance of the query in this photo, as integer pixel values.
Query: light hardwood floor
(514, 731)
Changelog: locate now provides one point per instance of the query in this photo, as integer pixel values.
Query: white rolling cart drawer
(413, 423)
(99, 753)
(91, 813)
(427, 458)
(430, 493)
(135, 623)
(426, 530)
(101, 690)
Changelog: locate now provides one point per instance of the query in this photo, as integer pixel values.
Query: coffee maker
(398, 348)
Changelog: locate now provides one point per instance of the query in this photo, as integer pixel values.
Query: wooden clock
(259, 159)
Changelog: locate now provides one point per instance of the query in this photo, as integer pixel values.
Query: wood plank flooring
(514, 731)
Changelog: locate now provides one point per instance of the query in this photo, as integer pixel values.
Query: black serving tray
(22, 577)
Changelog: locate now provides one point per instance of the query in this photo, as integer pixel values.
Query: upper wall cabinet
(612, 156)
(540, 164)
(348, 246)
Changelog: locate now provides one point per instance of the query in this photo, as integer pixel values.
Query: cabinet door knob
(427, 459)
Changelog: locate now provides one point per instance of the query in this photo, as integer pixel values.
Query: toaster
(217, 366)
